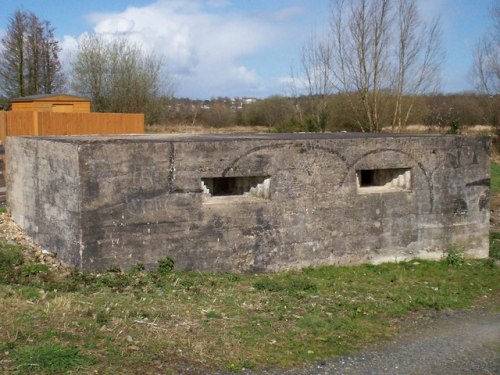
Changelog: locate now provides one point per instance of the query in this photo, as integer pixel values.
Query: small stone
(157, 362)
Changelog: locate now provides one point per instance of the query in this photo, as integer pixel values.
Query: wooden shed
(52, 103)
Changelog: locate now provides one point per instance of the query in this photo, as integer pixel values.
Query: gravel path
(464, 342)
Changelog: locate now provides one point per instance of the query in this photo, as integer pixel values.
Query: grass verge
(167, 322)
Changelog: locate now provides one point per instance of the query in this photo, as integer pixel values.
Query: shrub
(165, 265)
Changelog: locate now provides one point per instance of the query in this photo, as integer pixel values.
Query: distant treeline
(286, 114)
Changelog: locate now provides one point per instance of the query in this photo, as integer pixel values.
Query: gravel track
(455, 342)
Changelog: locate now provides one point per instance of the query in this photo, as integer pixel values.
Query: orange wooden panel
(3, 127)
(52, 123)
(20, 123)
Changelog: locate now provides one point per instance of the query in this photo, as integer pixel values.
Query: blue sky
(239, 47)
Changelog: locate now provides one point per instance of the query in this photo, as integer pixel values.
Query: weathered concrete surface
(103, 201)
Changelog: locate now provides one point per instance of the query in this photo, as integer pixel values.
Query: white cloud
(288, 13)
(117, 24)
(203, 48)
(69, 44)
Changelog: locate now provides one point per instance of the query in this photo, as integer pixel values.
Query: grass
(495, 190)
(165, 321)
(495, 245)
(495, 178)
(190, 128)
(49, 358)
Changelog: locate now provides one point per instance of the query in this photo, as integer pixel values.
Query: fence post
(3, 139)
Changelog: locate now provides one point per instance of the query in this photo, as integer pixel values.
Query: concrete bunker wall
(251, 203)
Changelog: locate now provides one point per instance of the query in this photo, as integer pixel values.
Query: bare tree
(316, 67)
(90, 71)
(486, 67)
(361, 57)
(380, 54)
(29, 61)
(418, 62)
(119, 77)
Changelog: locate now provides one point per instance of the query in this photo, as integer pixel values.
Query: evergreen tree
(29, 57)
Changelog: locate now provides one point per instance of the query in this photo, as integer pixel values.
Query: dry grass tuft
(200, 129)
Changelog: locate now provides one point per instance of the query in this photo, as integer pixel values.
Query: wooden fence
(14, 123)
(54, 123)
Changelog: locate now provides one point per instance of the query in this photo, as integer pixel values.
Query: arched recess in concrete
(378, 159)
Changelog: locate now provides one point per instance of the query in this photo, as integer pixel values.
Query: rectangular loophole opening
(256, 186)
(383, 180)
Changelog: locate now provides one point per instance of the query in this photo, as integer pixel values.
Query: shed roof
(50, 97)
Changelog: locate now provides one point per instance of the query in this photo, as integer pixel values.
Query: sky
(238, 48)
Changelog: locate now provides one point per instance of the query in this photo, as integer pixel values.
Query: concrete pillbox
(250, 202)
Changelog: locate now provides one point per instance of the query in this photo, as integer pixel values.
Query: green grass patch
(159, 321)
(495, 245)
(290, 284)
(495, 178)
(49, 358)
(11, 256)
(213, 315)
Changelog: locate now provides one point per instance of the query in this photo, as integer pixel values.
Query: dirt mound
(10, 232)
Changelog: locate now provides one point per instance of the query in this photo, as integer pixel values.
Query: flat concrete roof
(229, 137)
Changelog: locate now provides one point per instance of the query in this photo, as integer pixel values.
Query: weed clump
(268, 284)
(11, 257)
(137, 269)
(455, 257)
(165, 265)
(495, 245)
